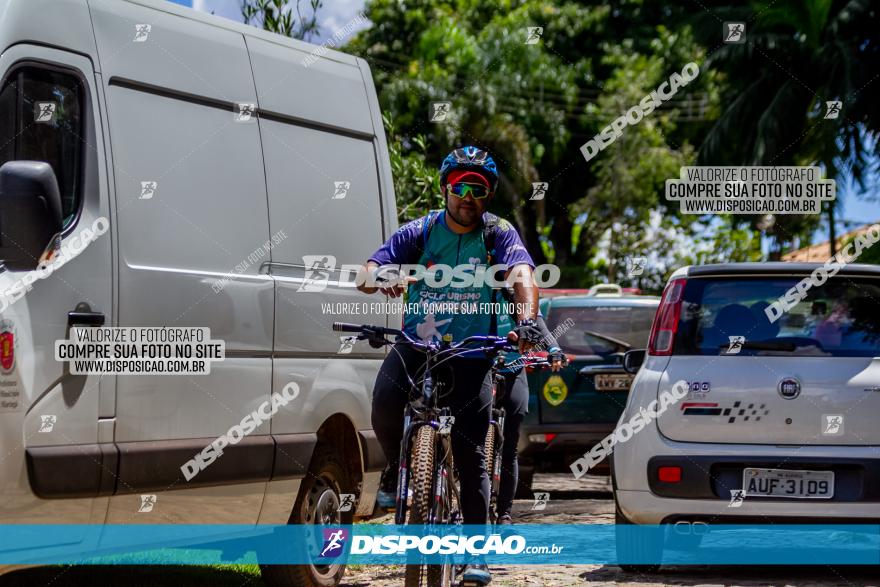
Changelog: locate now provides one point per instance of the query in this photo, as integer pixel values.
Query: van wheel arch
(316, 503)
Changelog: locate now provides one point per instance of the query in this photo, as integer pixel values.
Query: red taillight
(666, 322)
(669, 474)
(550, 436)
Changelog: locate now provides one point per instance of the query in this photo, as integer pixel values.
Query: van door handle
(85, 318)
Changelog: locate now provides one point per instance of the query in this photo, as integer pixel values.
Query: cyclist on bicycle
(515, 401)
(461, 234)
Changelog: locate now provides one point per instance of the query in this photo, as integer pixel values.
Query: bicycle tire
(421, 475)
(489, 460)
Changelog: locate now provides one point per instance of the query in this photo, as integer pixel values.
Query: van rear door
(811, 376)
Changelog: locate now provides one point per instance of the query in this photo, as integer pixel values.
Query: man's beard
(461, 221)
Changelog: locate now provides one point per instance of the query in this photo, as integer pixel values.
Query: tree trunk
(832, 230)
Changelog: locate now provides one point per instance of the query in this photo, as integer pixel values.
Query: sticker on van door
(7, 347)
(10, 391)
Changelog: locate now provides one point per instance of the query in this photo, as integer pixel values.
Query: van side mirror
(30, 213)
(632, 361)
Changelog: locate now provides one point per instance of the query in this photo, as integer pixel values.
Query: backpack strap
(427, 225)
(490, 229)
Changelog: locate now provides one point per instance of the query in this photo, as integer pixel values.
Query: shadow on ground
(133, 576)
(765, 576)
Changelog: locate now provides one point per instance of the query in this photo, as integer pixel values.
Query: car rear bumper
(710, 471)
(644, 507)
(714, 477)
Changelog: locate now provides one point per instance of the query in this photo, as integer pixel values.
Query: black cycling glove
(529, 331)
(556, 354)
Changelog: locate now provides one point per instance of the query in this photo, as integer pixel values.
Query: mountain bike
(494, 446)
(426, 468)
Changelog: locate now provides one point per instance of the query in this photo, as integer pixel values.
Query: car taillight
(669, 474)
(666, 323)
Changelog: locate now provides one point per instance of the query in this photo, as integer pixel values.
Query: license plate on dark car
(613, 382)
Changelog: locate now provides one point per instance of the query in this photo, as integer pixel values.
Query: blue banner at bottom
(530, 544)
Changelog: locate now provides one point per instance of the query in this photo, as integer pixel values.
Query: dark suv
(572, 410)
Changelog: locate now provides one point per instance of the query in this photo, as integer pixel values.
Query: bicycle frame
(498, 418)
(425, 411)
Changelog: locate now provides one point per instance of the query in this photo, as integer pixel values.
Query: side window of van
(41, 119)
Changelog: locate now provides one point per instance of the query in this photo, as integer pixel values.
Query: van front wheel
(317, 503)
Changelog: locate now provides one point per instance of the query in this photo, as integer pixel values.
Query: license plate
(785, 483)
(609, 382)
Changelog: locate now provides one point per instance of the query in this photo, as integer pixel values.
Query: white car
(779, 423)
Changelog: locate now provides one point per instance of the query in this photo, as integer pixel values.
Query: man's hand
(557, 359)
(398, 288)
(390, 287)
(528, 334)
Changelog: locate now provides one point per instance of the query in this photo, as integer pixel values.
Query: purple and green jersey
(425, 318)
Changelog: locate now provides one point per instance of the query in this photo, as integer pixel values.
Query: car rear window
(631, 324)
(839, 318)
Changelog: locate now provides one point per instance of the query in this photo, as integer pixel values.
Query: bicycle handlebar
(364, 329)
(380, 332)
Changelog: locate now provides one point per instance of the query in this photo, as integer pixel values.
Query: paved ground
(590, 502)
(571, 502)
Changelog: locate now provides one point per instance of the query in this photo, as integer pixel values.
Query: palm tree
(798, 55)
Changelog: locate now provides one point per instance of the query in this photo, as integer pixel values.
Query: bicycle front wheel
(422, 477)
(490, 456)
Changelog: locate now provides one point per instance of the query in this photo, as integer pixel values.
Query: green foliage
(416, 184)
(869, 255)
(277, 16)
(534, 105)
(799, 54)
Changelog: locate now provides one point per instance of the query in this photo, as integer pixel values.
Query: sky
(335, 14)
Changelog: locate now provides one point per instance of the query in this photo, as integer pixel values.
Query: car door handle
(85, 318)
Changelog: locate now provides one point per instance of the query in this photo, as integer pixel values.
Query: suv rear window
(631, 324)
(839, 318)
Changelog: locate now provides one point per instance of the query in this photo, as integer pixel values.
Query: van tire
(629, 546)
(327, 478)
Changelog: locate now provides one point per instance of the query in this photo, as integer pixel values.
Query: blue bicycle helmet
(470, 158)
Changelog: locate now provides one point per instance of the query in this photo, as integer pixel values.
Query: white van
(166, 187)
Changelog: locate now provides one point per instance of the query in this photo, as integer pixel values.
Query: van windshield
(630, 324)
(727, 316)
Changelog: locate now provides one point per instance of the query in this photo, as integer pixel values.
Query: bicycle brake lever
(375, 340)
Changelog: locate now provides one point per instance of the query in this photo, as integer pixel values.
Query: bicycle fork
(498, 416)
(403, 471)
(442, 474)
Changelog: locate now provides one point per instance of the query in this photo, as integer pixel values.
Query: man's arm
(511, 252)
(365, 277)
(397, 250)
(525, 292)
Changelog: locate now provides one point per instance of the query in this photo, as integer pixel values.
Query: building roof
(821, 252)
